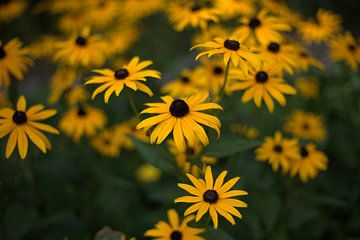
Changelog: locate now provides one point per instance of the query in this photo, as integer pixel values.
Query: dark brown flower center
(2, 52)
(185, 79)
(81, 41)
(254, 23)
(19, 117)
(218, 70)
(278, 148)
(121, 74)
(232, 45)
(304, 54)
(261, 77)
(196, 7)
(179, 108)
(274, 47)
(81, 112)
(352, 48)
(190, 151)
(306, 126)
(211, 196)
(106, 141)
(176, 235)
(304, 152)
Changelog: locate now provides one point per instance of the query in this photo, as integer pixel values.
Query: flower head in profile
(346, 48)
(262, 28)
(11, 9)
(310, 163)
(278, 151)
(13, 61)
(175, 230)
(232, 50)
(215, 198)
(23, 124)
(183, 117)
(264, 84)
(131, 75)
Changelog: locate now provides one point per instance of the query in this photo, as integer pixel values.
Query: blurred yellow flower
(147, 173)
(233, 8)
(11, 9)
(305, 59)
(308, 87)
(345, 48)
(105, 143)
(124, 131)
(245, 130)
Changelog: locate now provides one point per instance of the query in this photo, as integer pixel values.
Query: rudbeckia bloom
(183, 117)
(231, 49)
(309, 164)
(262, 28)
(308, 87)
(325, 25)
(13, 61)
(305, 125)
(131, 75)
(82, 120)
(103, 13)
(305, 59)
(213, 198)
(279, 151)
(81, 50)
(106, 144)
(191, 13)
(127, 130)
(11, 9)
(176, 230)
(264, 84)
(22, 124)
(347, 48)
(233, 8)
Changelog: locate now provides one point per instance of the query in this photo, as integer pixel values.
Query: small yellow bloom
(346, 48)
(106, 144)
(147, 173)
(308, 87)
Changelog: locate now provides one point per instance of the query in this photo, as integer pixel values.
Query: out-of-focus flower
(11, 9)
(233, 8)
(308, 87)
(147, 173)
(346, 48)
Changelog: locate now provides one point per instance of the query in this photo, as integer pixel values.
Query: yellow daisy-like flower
(264, 83)
(124, 131)
(103, 13)
(233, 8)
(191, 13)
(309, 164)
(182, 117)
(147, 173)
(262, 28)
(278, 151)
(130, 75)
(82, 120)
(346, 48)
(11, 9)
(22, 124)
(213, 198)
(13, 61)
(176, 230)
(231, 49)
(81, 50)
(136, 9)
(306, 125)
(325, 26)
(105, 143)
(73, 21)
(120, 43)
(305, 60)
(308, 87)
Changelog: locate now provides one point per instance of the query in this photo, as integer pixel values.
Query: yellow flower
(346, 48)
(309, 164)
(82, 120)
(147, 173)
(280, 9)
(11, 9)
(124, 131)
(182, 117)
(103, 13)
(210, 33)
(73, 21)
(60, 6)
(176, 230)
(278, 151)
(13, 61)
(191, 13)
(324, 26)
(105, 143)
(21, 124)
(231, 49)
(43, 47)
(213, 198)
(305, 125)
(308, 87)
(305, 59)
(130, 75)
(264, 84)
(136, 9)
(120, 43)
(232, 8)
(81, 50)
(245, 130)
(262, 28)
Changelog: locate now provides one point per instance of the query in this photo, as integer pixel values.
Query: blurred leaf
(219, 234)
(106, 233)
(229, 145)
(300, 214)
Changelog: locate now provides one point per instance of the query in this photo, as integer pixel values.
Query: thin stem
(133, 105)
(222, 91)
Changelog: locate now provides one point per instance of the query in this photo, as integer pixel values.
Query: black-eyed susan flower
(262, 28)
(23, 124)
(232, 50)
(183, 117)
(82, 120)
(213, 198)
(121, 43)
(278, 151)
(130, 75)
(102, 14)
(264, 84)
(232, 8)
(106, 144)
(305, 59)
(11, 9)
(308, 87)
(310, 163)
(324, 26)
(191, 13)
(13, 61)
(345, 48)
(147, 173)
(175, 229)
(127, 130)
(82, 50)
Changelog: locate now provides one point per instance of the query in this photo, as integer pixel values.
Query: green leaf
(229, 145)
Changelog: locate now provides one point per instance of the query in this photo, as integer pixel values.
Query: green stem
(133, 105)
(222, 91)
